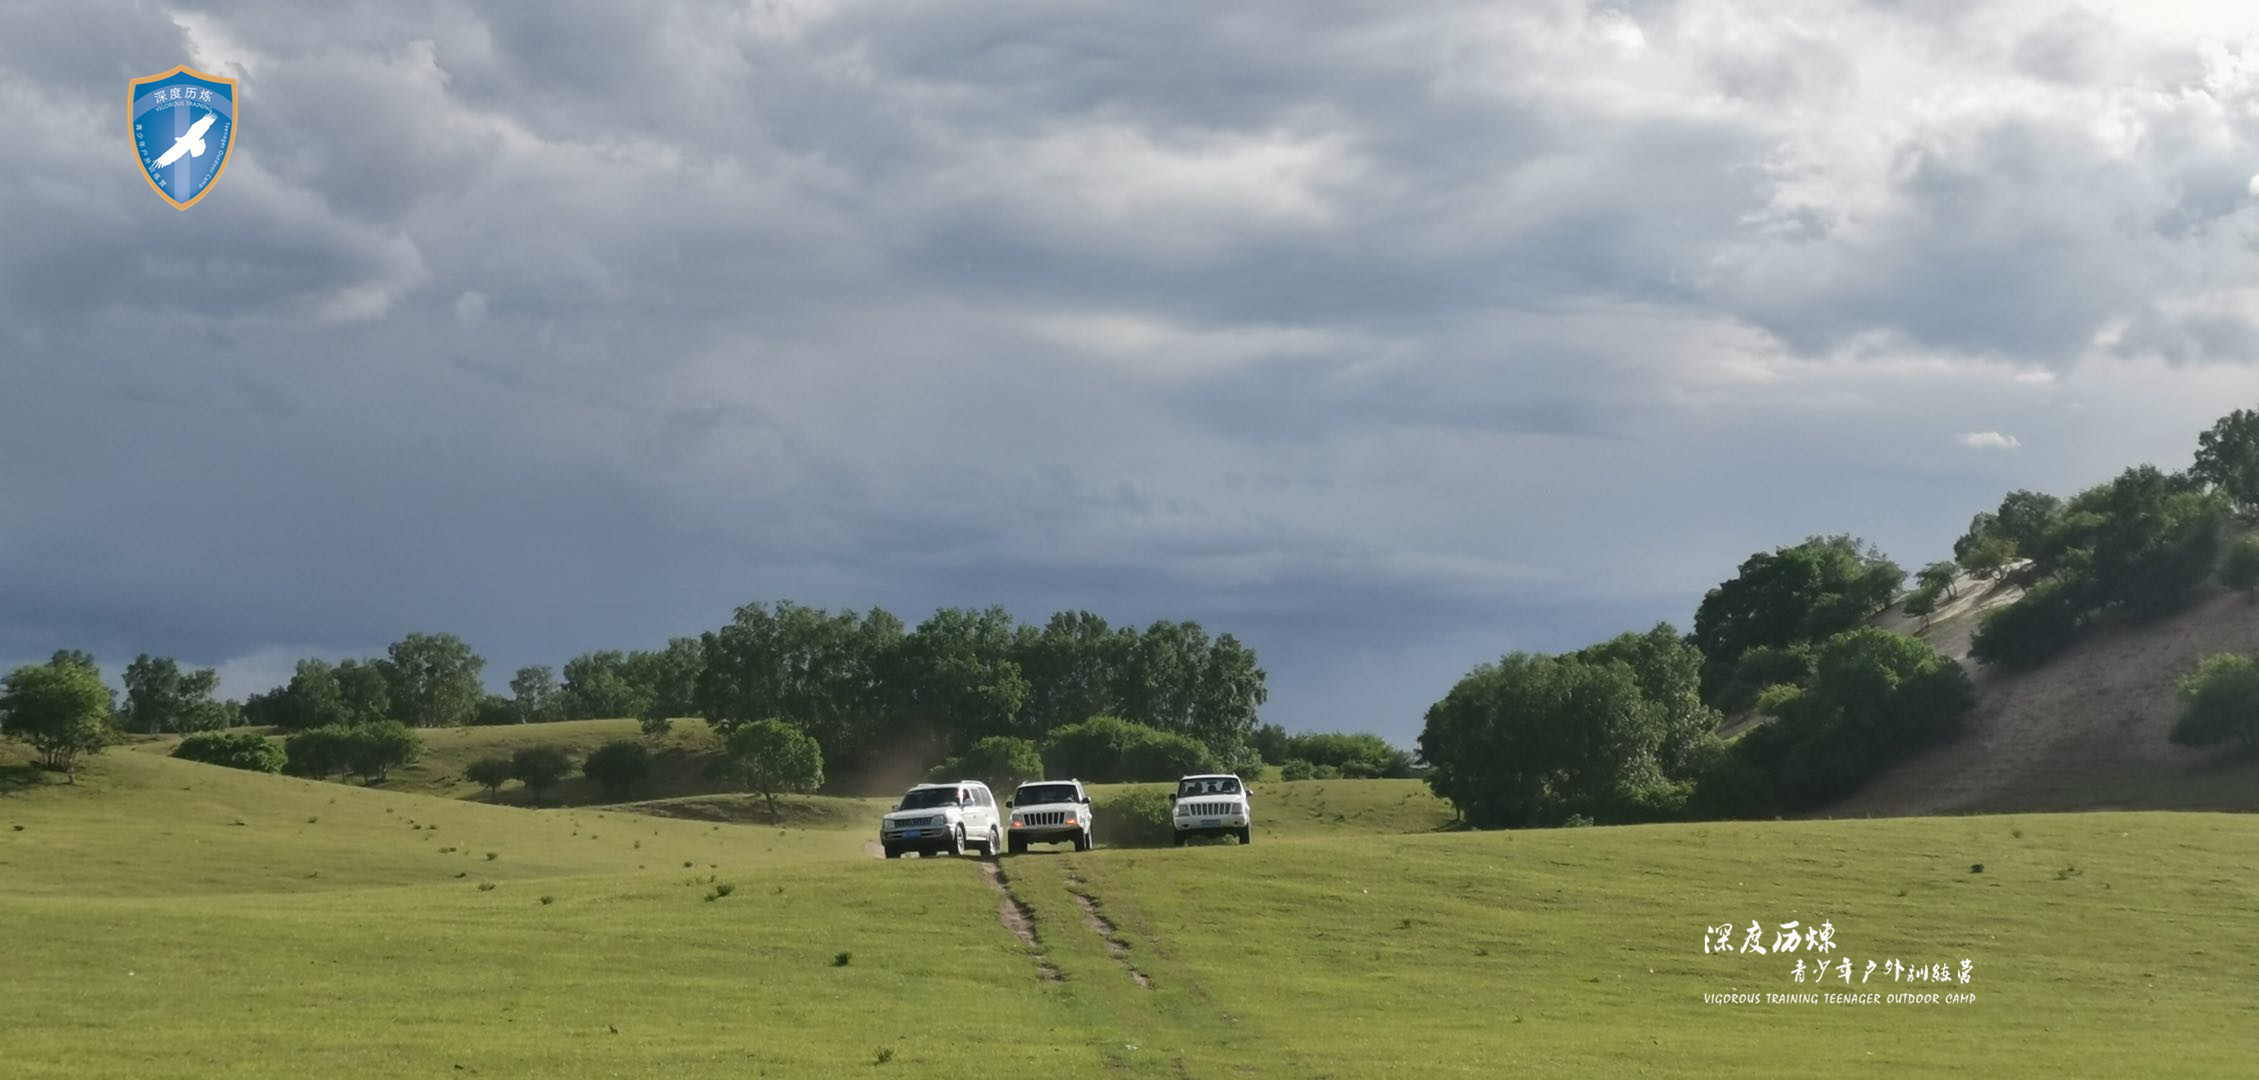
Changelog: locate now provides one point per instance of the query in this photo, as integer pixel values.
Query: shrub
(256, 753)
(1000, 761)
(1356, 757)
(316, 753)
(1106, 749)
(540, 768)
(2239, 569)
(1298, 769)
(1135, 818)
(1875, 697)
(2220, 703)
(618, 766)
(489, 773)
(494, 709)
(2036, 628)
(61, 709)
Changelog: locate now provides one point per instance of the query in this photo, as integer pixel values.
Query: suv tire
(1246, 835)
(957, 841)
(1180, 839)
(995, 843)
(894, 853)
(1019, 846)
(1083, 841)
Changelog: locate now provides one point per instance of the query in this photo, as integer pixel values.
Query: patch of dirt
(1017, 918)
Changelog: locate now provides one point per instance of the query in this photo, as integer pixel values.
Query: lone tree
(489, 773)
(533, 693)
(2227, 457)
(771, 758)
(2220, 703)
(372, 751)
(62, 710)
(539, 768)
(618, 767)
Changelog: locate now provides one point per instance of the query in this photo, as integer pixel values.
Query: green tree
(618, 767)
(597, 687)
(1355, 756)
(1274, 744)
(489, 773)
(316, 753)
(833, 676)
(2239, 569)
(771, 758)
(2227, 457)
(666, 680)
(2220, 704)
(1923, 604)
(433, 680)
(1875, 697)
(2158, 540)
(1668, 671)
(2024, 520)
(1940, 578)
(364, 691)
(533, 694)
(1226, 694)
(955, 675)
(1537, 740)
(1072, 666)
(1809, 592)
(1002, 762)
(1989, 557)
(61, 709)
(160, 697)
(540, 768)
(372, 751)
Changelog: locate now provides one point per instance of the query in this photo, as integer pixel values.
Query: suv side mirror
(1086, 800)
(1007, 804)
(1172, 796)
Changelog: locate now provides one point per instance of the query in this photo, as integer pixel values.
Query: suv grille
(1045, 817)
(1210, 809)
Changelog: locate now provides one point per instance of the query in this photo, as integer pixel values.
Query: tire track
(1019, 919)
(1107, 932)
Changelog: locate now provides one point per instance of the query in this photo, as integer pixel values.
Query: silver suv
(1050, 812)
(936, 818)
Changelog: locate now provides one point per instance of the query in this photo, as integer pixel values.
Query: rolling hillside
(169, 919)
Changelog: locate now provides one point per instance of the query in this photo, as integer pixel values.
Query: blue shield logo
(183, 128)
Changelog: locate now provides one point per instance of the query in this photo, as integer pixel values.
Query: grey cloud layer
(1390, 337)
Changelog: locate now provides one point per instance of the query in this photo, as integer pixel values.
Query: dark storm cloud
(1390, 338)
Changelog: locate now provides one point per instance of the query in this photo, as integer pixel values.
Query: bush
(1356, 757)
(489, 773)
(2220, 704)
(2240, 568)
(1135, 818)
(1298, 769)
(618, 766)
(256, 753)
(316, 753)
(1000, 761)
(2035, 629)
(540, 768)
(1106, 749)
(493, 710)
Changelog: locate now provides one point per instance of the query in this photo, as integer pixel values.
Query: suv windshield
(1224, 785)
(928, 798)
(1044, 793)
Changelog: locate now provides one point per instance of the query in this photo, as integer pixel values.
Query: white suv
(934, 818)
(1213, 804)
(1050, 812)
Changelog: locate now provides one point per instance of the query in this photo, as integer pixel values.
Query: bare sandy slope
(2086, 731)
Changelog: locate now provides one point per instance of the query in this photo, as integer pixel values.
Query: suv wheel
(1082, 840)
(893, 853)
(957, 841)
(1246, 835)
(1019, 845)
(995, 843)
(1180, 839)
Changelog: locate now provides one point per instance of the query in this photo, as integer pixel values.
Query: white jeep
(1050, 812)
(936, 818)
(1213, 804)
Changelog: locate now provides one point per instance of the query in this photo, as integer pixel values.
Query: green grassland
(165, 918)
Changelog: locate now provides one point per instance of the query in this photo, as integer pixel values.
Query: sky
(1389, 337)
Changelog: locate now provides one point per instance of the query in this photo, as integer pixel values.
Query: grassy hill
(173, 919)
(2086, 731)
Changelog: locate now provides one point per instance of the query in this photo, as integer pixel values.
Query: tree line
(1629, 730)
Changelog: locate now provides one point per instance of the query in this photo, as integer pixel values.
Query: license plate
(1209, 822)
(909, 833)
